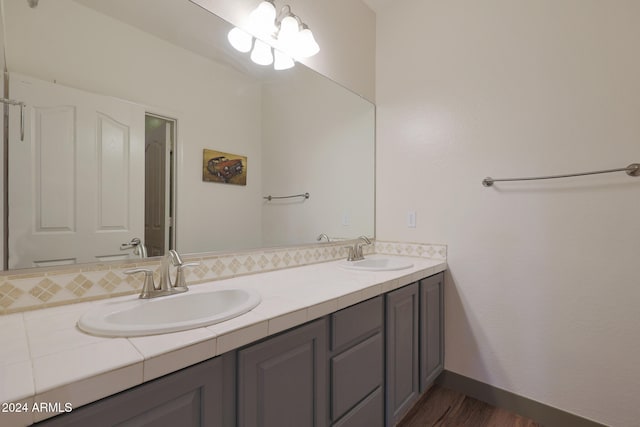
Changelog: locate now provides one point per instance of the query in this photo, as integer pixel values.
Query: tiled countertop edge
(133, 361)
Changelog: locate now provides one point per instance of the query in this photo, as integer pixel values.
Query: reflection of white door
(76, 182)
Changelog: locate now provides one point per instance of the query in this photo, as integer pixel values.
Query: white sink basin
(168, 314)
(377, 264)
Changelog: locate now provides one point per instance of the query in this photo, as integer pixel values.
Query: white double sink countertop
(46, 361)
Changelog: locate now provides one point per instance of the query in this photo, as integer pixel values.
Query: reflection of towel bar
(270, 197)
(632, 170)
(21, 104)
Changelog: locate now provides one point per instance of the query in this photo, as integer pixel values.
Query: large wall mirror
(141, 122)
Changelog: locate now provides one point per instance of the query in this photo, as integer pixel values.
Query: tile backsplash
(41, 288)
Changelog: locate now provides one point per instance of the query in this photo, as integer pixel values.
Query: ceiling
(378, 5)
(182, 23)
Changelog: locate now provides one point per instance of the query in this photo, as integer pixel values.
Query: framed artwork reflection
(226, 168)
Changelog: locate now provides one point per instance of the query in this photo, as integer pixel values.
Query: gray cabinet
(402, 351)
(357, 365)
(201, 395)
(431, 329)
(282, 381)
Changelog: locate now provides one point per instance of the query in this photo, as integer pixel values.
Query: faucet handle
(180, 281)
(148, 287)
(365, 240)
(189, 264)
(176, 259)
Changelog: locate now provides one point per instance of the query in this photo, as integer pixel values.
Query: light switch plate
(346, 219)
(411, 219)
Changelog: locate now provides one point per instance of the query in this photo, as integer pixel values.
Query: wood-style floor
(441, 407)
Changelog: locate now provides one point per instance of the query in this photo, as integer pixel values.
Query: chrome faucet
(171, 258)
(166, 286)
(355, 251)
(138, 247)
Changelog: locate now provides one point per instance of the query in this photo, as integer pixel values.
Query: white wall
(543, 295)
(327, 152)
(75, 46)
(2, 67)
(344, 29)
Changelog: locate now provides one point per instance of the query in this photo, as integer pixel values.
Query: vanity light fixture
(282, 33)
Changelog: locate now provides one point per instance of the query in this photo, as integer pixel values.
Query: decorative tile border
(422, 250)
(42, 288)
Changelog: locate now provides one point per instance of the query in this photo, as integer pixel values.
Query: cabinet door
(431, 329)
(194, 397)
(283, 381)
(402, 313)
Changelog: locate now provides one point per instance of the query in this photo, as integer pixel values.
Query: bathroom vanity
(363, 365)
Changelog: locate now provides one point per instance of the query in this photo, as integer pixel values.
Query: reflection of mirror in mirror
(113, 63)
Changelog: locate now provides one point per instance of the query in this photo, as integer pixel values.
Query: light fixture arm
(286, 11)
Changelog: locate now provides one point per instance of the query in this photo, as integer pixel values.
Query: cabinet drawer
(355, 374)
(356, 322)
(369, 413)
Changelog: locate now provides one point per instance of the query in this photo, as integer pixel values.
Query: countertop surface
(46, 359)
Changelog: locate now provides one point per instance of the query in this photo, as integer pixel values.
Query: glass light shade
(306, 44)
(261, 53)
(282, 61)
(240, 40)
(288, 34)
(262, 19)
